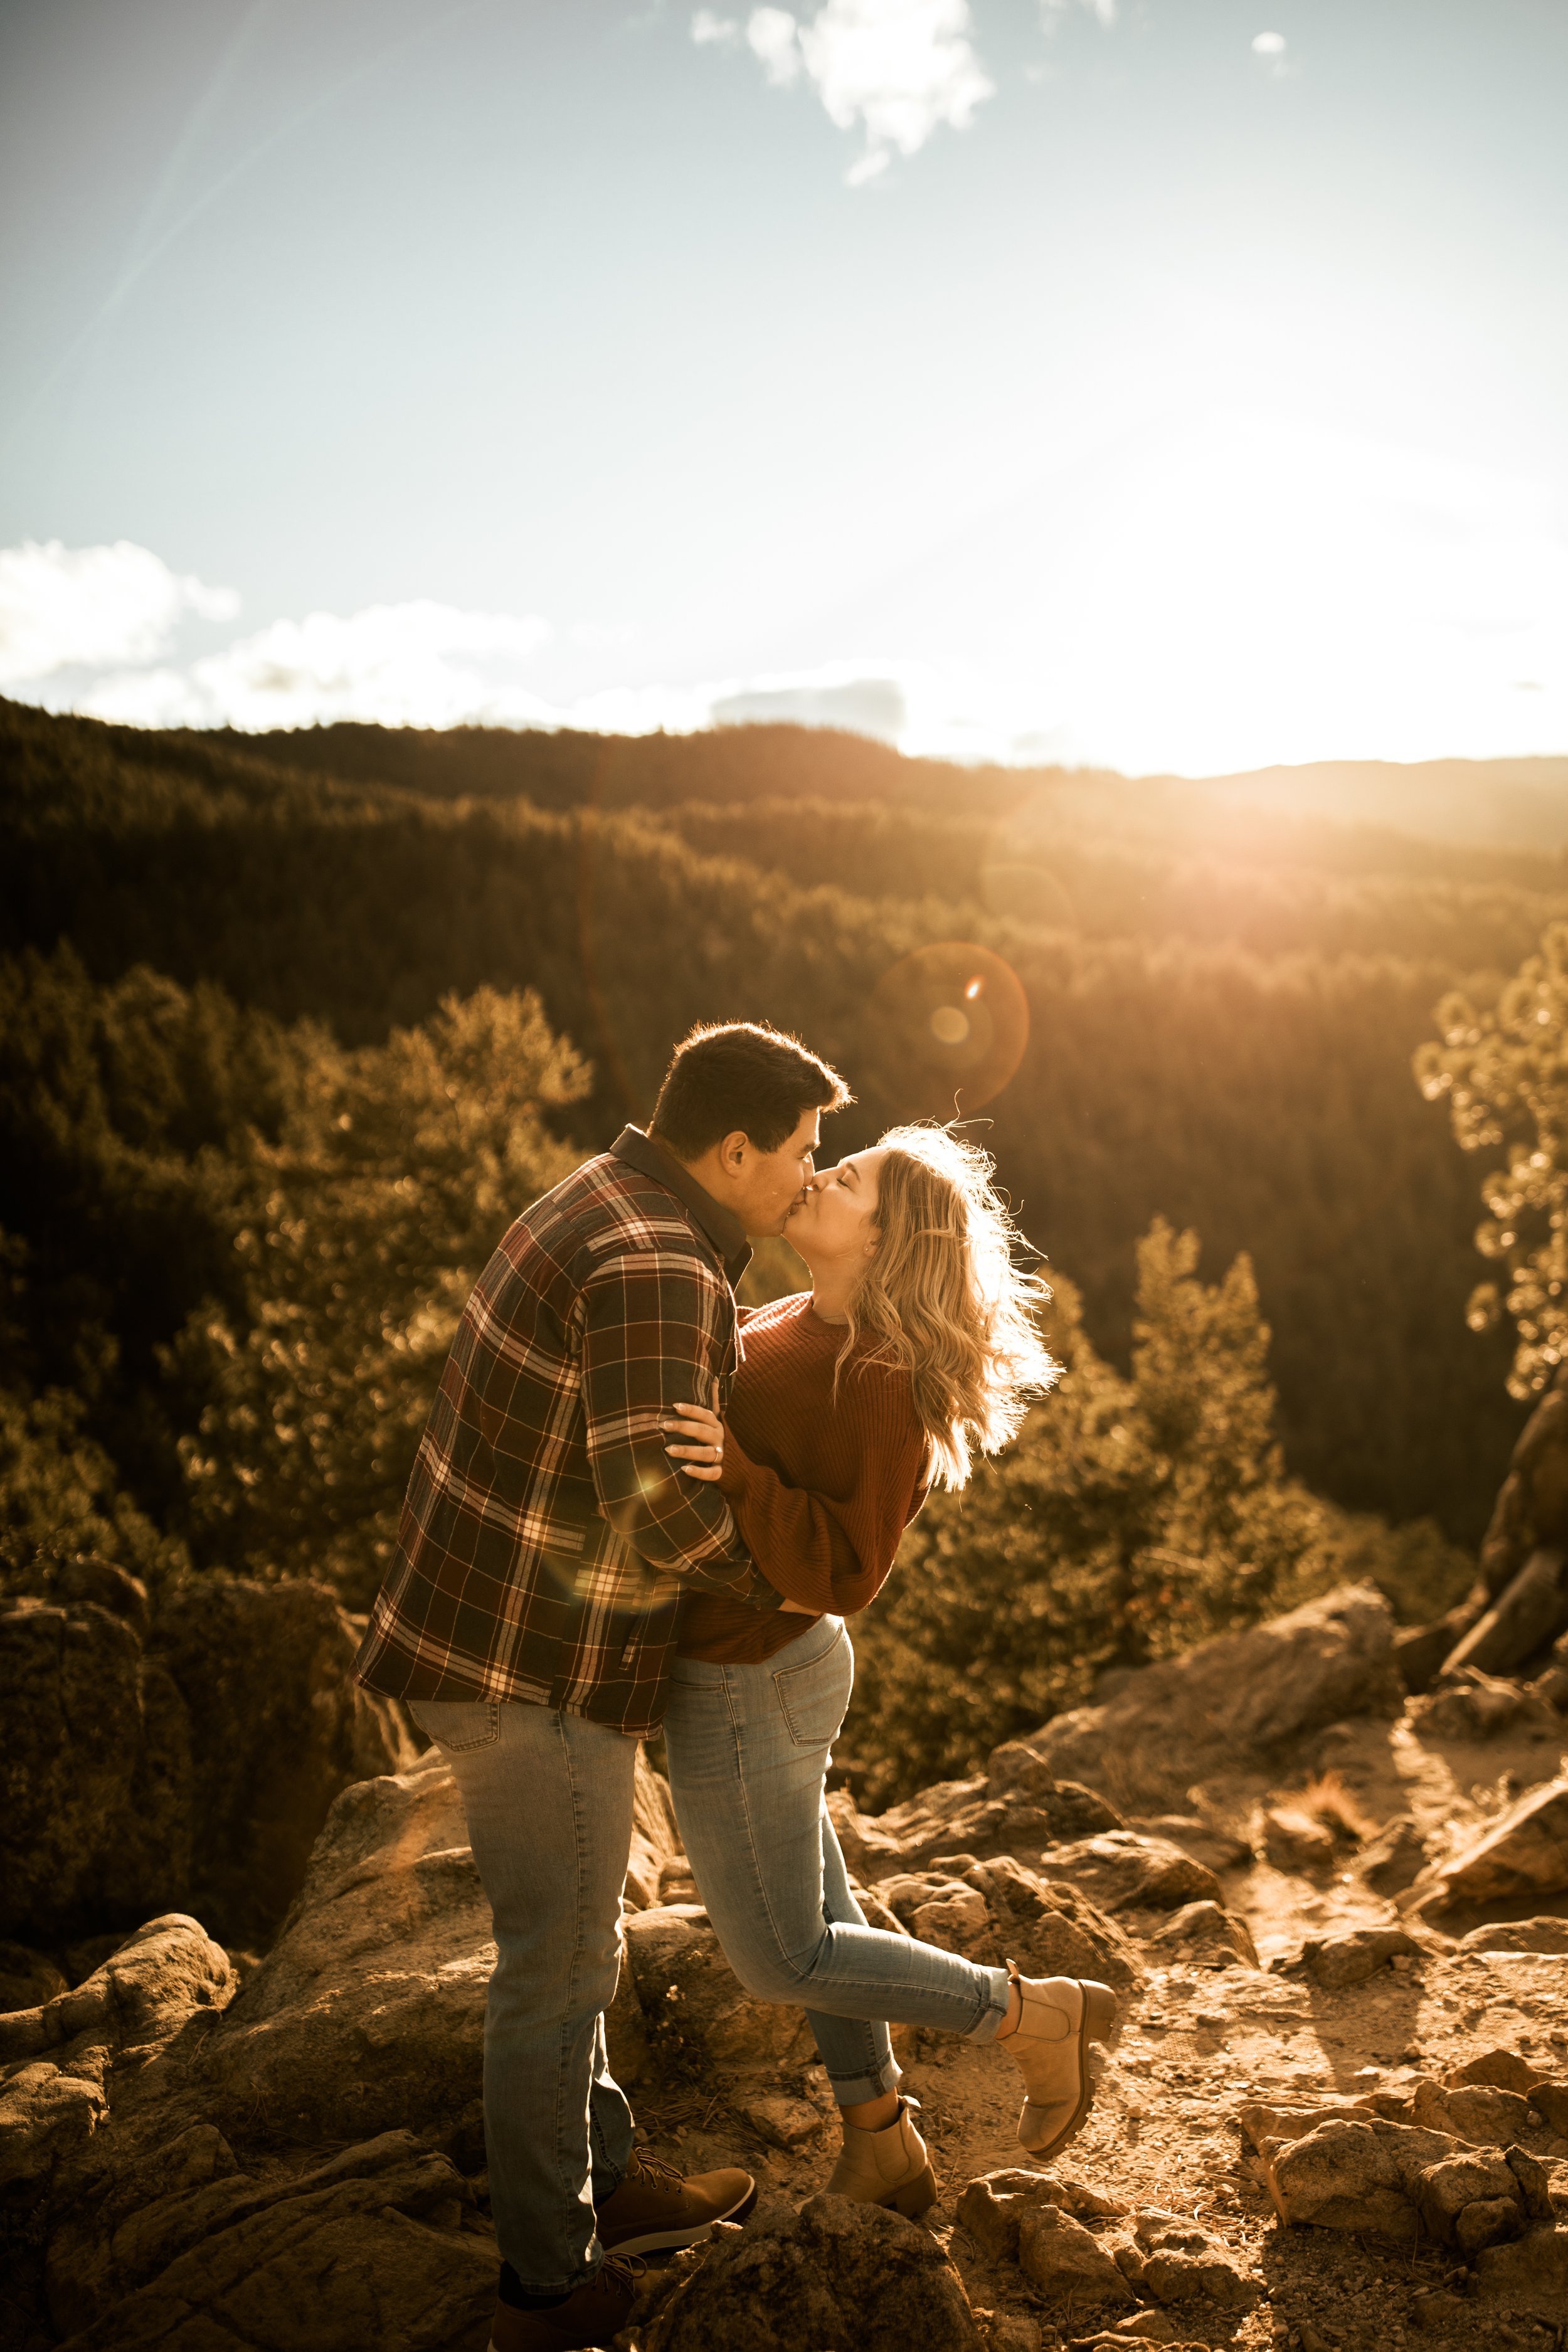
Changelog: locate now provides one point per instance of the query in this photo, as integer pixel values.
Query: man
(529, 1621)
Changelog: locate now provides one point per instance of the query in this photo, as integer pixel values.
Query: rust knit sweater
(821, 1490)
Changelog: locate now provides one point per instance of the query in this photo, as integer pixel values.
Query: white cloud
(416, 664)
(896, 68)
(1268, 45)
(430, 664)
(708, 30)
(63, 607)
(771, 33)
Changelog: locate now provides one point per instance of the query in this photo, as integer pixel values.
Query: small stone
(1523, 1852)
(1210, 1935)
(1475, 2112)
(1014, 2331)
(1528, 2272)
(1549, 2101)
(784, 2122)
(1517, 1935)
(1355, 1954)
(1063, 2259)
(1487, 2222)
(1432, 2312)
(1500, 2070)
(1122, 1871)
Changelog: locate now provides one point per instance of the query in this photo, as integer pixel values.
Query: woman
(913, 1349)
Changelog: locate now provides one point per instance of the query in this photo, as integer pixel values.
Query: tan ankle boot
(886, 2168)
(1061, 2016)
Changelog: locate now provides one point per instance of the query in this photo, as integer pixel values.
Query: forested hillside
(1222, 1004)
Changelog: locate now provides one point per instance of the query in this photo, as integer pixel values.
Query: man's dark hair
(741, 1074)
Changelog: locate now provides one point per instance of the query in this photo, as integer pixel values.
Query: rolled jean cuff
(994, 2015)
(854, 2090)
(555, 2286)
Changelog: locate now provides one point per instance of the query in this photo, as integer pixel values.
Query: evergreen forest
(292, 1025)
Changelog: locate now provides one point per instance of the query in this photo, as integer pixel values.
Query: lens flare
(950, 1024)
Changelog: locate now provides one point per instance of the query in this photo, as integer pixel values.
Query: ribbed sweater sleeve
(832, 1555)
(824, 1468)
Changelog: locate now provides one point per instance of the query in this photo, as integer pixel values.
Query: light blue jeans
(748, 1748)
(548, 1802)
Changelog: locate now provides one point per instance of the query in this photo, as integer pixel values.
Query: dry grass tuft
(1327, 1800)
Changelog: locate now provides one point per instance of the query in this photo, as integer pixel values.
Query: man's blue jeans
(548, 1802)
(747, 1747)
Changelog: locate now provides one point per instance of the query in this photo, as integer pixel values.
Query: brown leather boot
(655, 2210)
(593, 2314)
(892, 2167)
(1060, 2016)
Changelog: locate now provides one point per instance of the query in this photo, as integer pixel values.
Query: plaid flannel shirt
(546, 1539)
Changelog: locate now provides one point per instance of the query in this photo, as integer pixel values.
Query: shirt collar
(723, 1228)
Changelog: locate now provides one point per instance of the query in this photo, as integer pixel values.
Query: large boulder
(95, 1778)
(1239, 1698)
(370, 2247)
(697, 2007)
(278, 1727)
(1125, 1871)
(1484, 2115)
(997, 1910)
(168, 2140)
(1400, 2183)
(163, 1990)
(835, 2274)
(185, 1763)
(1017, 1806)
(368, 2013)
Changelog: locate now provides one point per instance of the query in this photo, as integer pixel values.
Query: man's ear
(732, 1151)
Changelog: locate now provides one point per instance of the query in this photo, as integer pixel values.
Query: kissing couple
(635, 1504)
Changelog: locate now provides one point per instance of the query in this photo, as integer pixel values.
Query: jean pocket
(815, 1698)
(454, 1723)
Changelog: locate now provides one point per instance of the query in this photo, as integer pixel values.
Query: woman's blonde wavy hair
(944, 1299)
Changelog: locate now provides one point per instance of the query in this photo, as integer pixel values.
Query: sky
(1164, 384)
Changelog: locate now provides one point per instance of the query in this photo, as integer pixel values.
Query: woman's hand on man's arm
(694, 1437)
(695, 1440)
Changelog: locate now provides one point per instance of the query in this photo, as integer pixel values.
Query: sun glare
(1237, 589)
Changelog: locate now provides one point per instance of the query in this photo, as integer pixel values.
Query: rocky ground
(1336, 2112)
